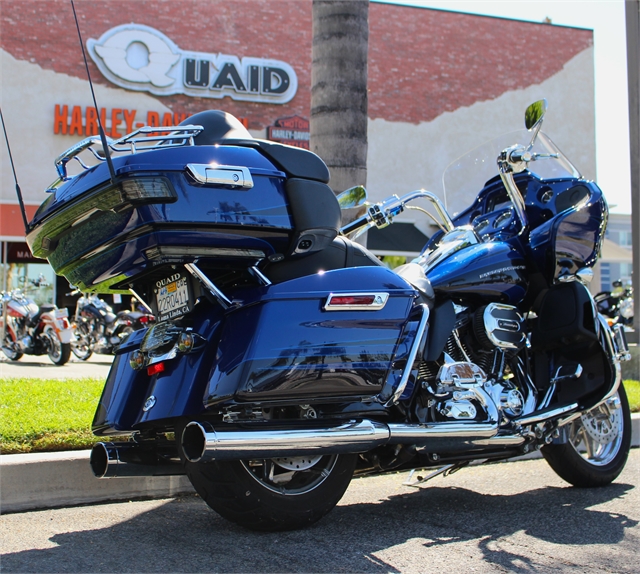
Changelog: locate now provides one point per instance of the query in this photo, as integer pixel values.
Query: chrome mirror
(352, 197)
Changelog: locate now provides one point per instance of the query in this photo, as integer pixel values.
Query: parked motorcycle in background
(97, 329)
(616, 305)
(34, 330)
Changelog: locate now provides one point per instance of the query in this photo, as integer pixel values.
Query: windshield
(464, 178)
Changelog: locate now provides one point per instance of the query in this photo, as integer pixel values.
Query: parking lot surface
(507, 517)
(39, 366)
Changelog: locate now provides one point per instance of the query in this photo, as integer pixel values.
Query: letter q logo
(135, 53)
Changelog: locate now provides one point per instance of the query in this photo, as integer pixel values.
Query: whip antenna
(103, 137)
(15, 177)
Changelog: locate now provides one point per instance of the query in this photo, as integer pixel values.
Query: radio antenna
(15, 177)
(103, 137)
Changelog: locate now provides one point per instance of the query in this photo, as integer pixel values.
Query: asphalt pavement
(39, 366)
(507, 517)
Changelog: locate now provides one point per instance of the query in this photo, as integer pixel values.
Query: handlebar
(382, 213)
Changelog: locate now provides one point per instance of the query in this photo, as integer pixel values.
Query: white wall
(403, 156)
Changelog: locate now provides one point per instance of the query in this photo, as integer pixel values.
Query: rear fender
(133, 398)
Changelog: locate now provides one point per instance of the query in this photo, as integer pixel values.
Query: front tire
(597, 447)
(273, 495)
(81, 345)
(10, 348)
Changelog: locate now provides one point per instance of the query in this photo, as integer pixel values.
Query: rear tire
(59, 352)
(273, 495)
(598, 445)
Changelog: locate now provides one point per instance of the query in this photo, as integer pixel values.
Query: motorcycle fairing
(566, 334)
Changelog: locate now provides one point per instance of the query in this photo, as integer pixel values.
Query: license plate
(173, 297)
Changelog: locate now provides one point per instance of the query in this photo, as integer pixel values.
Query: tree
(339, 101)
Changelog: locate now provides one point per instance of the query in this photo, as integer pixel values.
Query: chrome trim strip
(420, 336)
(259, 276)
(219, 295)
(379, 301)
(208, 174)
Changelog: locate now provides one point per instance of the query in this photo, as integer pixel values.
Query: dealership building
(440, 84)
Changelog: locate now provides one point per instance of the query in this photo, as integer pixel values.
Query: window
(605, 276)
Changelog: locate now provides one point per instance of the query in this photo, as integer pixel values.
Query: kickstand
(443, 470)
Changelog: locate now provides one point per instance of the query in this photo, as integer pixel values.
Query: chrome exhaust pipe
(201, 442)
(108, 460)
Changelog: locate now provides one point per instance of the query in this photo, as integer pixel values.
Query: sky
(607, 20)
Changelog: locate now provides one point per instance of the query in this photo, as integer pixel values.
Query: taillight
(155, 369)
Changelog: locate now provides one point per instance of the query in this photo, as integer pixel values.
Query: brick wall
(422, 62)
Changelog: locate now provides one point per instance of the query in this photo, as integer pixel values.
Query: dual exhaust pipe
(201, 443)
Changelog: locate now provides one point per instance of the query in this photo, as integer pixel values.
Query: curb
(56, 479)
(52, 480)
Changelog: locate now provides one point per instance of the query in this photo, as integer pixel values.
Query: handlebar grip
(355, 224)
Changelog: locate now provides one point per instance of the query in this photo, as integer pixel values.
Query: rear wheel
(58, 352)
(275, 494)
(598, 444)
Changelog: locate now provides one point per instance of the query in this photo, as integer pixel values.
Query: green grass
(633, 394)
(47, 415)
(38, 415)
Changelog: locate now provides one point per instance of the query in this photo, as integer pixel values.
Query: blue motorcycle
(285, 357)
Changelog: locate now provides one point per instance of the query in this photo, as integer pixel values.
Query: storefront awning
(403, 239)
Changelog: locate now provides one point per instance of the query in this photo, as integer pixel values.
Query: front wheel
(598, 444)
(10, 348)
(276, 494)
(58, 352)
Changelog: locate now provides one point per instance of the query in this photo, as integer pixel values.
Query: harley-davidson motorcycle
(616, 305)
(286, 357)
(97, 329)
(30, 329)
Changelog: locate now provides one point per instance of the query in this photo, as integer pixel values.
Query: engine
(480, 376)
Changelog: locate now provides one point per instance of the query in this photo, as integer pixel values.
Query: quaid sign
(142, 58)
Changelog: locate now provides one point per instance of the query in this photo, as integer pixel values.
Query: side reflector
(155, 369)
(356, 301)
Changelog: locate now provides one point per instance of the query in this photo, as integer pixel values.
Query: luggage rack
(143, 139)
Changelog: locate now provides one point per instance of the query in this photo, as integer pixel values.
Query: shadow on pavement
(183, 535)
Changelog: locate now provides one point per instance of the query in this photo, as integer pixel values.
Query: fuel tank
(494, 271)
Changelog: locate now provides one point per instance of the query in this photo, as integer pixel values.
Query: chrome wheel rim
(291, 476)
(597, 435)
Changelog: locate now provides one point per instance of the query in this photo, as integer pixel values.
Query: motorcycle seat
(223, 128)
(46, 307)
(340, 254)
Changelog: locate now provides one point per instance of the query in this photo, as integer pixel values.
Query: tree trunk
(339, 102)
